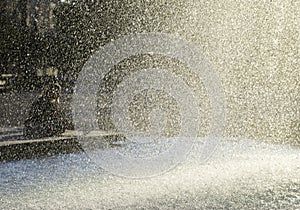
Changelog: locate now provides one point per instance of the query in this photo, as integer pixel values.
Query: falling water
(253, 50)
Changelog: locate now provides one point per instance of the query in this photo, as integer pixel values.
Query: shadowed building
(35, 14)
(25, 24)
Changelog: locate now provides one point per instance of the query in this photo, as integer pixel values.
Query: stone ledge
(15, 147)
(17, 150)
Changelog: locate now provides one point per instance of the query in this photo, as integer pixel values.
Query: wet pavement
(242, 173)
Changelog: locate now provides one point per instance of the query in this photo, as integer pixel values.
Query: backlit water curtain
(252, 49)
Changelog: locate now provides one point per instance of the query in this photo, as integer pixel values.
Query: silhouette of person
(46, 117)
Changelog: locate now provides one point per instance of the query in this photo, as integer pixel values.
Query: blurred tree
(83, 26)
(79, 30)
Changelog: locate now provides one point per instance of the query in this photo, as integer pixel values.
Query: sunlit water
(242, 173)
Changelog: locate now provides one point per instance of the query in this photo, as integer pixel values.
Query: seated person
(45, 116)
